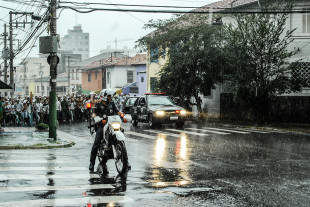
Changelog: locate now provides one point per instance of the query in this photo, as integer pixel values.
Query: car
(156, 109)
(128, 103)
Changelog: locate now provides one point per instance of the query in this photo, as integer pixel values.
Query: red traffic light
(88, 105)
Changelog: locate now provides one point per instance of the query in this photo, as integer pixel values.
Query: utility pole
(5, 60)
(53, 73)
(11, 43)
(69, 81)
(11, 53)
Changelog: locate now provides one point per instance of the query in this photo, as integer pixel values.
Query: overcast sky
(103, 26)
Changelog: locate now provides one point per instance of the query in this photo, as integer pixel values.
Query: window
(96, 75)
(306, 23)
(142, 79)
(301, 73)
(38, 89)
(89, 77)
(154, 55)
(42, 89)
(129, 76)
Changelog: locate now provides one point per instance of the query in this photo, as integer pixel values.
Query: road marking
(48, 188)
(41, 168)
(141, 135)
(252, 130)
(227, 130)
(187, 132)
(70, 201)
(211, 131)
(165, 133)
(38, 161)
(36, 177)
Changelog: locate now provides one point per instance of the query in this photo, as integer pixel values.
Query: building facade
(76, 41)
(113, 72)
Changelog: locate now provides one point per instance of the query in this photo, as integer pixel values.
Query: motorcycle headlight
(159, 113)
(116, 126)
(183, 112)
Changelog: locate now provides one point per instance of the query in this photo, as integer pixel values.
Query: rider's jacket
(107, 109)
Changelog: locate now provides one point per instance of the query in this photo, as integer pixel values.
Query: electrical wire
(215, 11)
(127, 5)
(131, 15)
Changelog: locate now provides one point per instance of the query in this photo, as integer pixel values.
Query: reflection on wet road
(195, 166)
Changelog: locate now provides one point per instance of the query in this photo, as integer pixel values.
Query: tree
(257, 52)
(194, 56)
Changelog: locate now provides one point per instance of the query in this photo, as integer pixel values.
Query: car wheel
(134, 122)
(151, 121)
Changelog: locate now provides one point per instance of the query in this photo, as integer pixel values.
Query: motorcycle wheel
(121, 161)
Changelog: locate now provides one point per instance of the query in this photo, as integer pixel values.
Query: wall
(152, 69)
(284, 109)
(141, 72)
(119, 76)
(93, 85)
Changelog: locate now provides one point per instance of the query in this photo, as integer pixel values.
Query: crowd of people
(19, 111)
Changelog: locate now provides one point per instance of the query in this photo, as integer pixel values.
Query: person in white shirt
(58, 109)
(72, 109)
(46, 112)
(38, 111)
(18, 110)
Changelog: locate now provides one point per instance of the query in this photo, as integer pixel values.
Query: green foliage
(256, 47)
(194, 55)
(42, 126)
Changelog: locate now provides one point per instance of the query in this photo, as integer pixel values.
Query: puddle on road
(159, 177)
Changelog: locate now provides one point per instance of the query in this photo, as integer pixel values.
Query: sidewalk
(288, 127)
(28, 138)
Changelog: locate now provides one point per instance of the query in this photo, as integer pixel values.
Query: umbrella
(5, 88)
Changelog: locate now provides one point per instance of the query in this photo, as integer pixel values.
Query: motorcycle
(113, 145)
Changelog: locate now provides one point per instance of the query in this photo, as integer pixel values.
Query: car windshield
(160, 100)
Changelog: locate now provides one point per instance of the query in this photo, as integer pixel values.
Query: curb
(284, 127)
(11, 147)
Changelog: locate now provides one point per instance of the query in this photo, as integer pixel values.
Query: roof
(225, 4)
(213, 7)
(116, 61)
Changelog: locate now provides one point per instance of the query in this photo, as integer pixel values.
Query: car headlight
(183, 112)
(116, 126)
(159, 113)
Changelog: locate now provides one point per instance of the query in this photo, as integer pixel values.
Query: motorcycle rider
(107, 107)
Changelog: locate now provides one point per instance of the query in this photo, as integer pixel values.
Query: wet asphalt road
(197, 166)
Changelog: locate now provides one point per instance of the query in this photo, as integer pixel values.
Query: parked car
(156, 109)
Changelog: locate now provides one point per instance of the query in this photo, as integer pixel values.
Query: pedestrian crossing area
(200, 132)
(39, 178)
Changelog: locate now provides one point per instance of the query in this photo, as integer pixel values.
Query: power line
(131, 15)
(128, 5)
(215, 11)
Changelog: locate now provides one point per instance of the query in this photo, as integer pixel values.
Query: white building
(34, 68)
(76, 41)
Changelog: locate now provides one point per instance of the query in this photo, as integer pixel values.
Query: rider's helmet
(104, 98)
